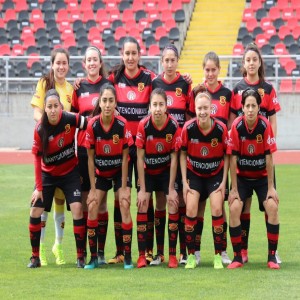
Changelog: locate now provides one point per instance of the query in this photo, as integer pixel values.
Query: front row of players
(206, 154)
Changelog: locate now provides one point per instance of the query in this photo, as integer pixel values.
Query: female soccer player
(157, 141)
(221, 98)
(56, 78)
(253, 77)
(83, 101)
(55, 166)
(251, 168)
(204, 167)
(108, 141)
(178, 94)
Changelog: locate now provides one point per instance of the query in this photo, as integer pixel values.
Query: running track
(25, 157)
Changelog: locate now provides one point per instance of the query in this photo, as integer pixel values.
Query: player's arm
(91, 168)
(173, 196)
(233, 176)
(271, 189)
(183, 167)
(124, 191)
(37, 113)
(273, 123)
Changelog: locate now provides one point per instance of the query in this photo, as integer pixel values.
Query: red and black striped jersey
(108, 144)
(59, 159)
(220, 102)
(269, 104)
(205, 152)
(158, 143)
(84, 100)
(251, 147)
(133, 96)
(178, 92)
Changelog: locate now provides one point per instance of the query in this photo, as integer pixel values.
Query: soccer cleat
(273, 265)
(235, 265)
(191, 262)
(198, 257)
(244, 253)
(142, 263)
(43, 255)
(59, 254)
(149, 257)
(128, 263)
(157, 260)
(218, 262)
(183, 259)
(93, 264)
(277, 257)
(225, 258)
(80, 262)
(173, 263)
(34, 262)
(119, 258)
(101, 258)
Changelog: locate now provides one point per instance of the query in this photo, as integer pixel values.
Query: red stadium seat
(238, 49)
(175, 5)
(261, 40)
(153, 14)
(130, 24)
(114, 15)
(154, 50)
(251, 24)
(26, 31)
(37, 24)
(270, 31)
(28, 41)
(290, 66)
(295, 4)
(256, 4)
(137, 5)
(10, 14)
(287, 13)
(248, 14)
(101, 14)
(4, 50)
(292, 23)
(62, 15)
(163, 6)
(67, 32)
(94, 33)
(143, 23)
(69, 41)
(36, 14)
(170, 23)
(87, 15)
(127, 15)
(111, 6)
(134, 32)
(280, 49)
(17, 50)
(286, 86)
(296, 32)
(75, 15)
(283, 31)
(85, 6)
(265, 23)
(120, 32)
(21, 5)
(72, 6)
(282, 4)
(274, 13)
(160, 31)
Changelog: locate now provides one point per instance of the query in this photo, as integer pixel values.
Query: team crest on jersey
(214, 142)
(222, 100)
(131, 95)
(106, 149)
(169, 137)
(204, 151)
(214, 109)
(60, 142)
(68, 128)
(141, 86)
(178, 92)
(159, 147)
(259, 139)
(169, 100)
(116, 139)
(94, 101)
(261, 92)
(251, 148)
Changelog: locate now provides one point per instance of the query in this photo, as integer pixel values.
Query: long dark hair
(49, 78)
(46, 129)
(261, 70)
(160, 92)
(105, 86)
(102, 71)
(118, 70)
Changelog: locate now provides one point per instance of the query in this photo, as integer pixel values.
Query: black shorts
(69, 184)
(83, 169)
(158, 183)
(105, 184)
(204, 185)
(246, 187)
(132, 165)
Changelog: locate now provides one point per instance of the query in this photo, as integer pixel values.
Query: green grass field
(254, 281)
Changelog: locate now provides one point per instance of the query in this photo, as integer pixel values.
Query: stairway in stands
(213, 27)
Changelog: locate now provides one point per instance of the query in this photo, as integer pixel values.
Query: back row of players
(115, 146)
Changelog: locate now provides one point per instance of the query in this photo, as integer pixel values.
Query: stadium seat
(62, 15)
(274, 39)
(256, 4)
(278, 23)
(292, 23)
(33, 4)
(17, 50)
(146, 33)
(295, 4)
(261, 40)
(261, 13)
(140, 14)
(270, 31)
(45, 50)
(113, 50)
(166, 15)
(265, 23)
(109, 41)
(69, 41)
(179, 16)
(296, 32)
(10, 14)
(143, 23)
(174, 34)
(124, 5)
(77, 25)
(290, 66)
(247, 39)
(8, 5)
(119, 32)
(269, 3)
(21, 5)
(248, 14)
(72, 5)
(163, 42)
(251, 23)
(274, 13)
(98, 5)
(28, 41)
(38, 24)
(256, 31)
(282, 4)
(238, 49)
(49, 15)
(160, 31)
(154, 50)
(117, 23)
(36, 14)
(134, 32)
(266, 50)
(288, 40)
(128, 15)
(283, 31)
(286, 86)
(90, 23)
(4, 50)
(294, 49)
(280, 49)
(170, 23)
(32, 59)
(114, 15)
(26, 31)
(137, 5)
(47, 6)
(150, 40)
(242, 32)
(287, 13)
(176, 5)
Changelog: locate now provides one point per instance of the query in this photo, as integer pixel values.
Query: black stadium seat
(179, 16)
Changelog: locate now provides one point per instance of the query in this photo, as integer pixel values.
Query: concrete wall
(17, 125)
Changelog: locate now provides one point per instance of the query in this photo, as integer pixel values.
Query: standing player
(220, 104)
(204, 167)
(55, 166)
(107, 141)
(253, 77)
(157, 141)
(133, 84)
(178, 95)
(251, 168)
(83, 101)
(56, 78)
